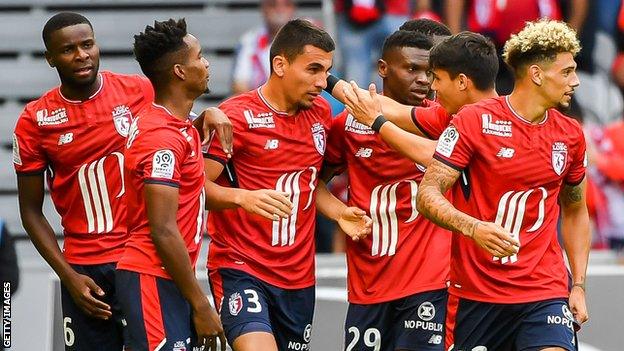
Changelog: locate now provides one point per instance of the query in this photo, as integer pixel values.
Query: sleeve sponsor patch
(447, 141)
(17, 159)
(163, 164)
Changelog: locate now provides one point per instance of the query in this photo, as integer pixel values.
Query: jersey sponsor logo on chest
(122, 117)
(261, 120)
(498, 128)
(353, 126)
(318, 136)
(559, 156)
(55, 117)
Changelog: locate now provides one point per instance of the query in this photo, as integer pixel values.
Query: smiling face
(405, 74)
(305, 77)
(559, 80)
(73, 52)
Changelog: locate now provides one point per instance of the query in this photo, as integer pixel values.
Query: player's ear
(279, 65)
(179, 71)
(462, 82)
(536, 74)
(382, 68)
(48, 57)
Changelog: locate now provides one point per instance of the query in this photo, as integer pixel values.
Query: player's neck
(175, 102)
(80, 92)
(274, 94)
(528, 104)
(478, 95)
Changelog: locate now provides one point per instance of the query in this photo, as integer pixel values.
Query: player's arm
(576, 241)
(264, 202)
(433, 205)
(365, 106)
(352, 220)
(83, 290)
(162, 205)
(395, 112)
(214, 120)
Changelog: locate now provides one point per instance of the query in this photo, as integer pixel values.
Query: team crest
(559, 157)
(318, 136)
(235, 303)
(122, 117)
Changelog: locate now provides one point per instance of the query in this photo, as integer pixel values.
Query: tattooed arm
(576, 241)
(433, 205)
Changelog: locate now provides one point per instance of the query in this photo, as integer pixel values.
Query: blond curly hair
(540, 41)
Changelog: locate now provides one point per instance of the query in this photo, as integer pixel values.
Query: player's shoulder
(321, 106)
(471, 113)
(244, 101)
(49, 101)
(128, 82)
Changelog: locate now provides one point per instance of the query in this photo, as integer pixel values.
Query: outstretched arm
(433, 205)
(576, 241)
(352, 220)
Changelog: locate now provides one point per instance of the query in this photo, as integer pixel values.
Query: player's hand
(355, 223)
(215, 120)
(577, 304)
(494, 239)
(363, 105)
(84, 291)
(208, 327)
(270, 204)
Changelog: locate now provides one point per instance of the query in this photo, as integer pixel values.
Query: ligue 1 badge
(235, 303)
(559, 157)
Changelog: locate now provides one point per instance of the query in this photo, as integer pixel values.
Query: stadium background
(24, 75)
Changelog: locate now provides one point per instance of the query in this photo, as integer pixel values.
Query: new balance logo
(353, 126)
(510, 215)
(506, 152)
(261, 120)
(66, 138)
(498, 128)
(364, 152)
(271, 144)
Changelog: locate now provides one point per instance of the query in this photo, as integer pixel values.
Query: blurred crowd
(362, 25)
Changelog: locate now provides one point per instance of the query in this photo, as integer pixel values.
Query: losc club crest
(559, 157)
(235, 303)
(122, 117)
(318, 136)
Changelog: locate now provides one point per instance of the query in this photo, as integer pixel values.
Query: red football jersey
(272, 150)
(81, 145)
(512, 173)
(162, 149)
(405, 253)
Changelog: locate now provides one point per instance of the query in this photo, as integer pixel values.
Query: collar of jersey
(170, 114)
(269, 105)
(90, 97)
(522, 118)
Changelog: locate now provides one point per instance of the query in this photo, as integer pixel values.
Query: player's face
(306, 76)
(74, 53)
(448, 91)
(405, 74)
(560, 80)
(196, 66)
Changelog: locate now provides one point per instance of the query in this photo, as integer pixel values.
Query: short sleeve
(29, 156)
(455, 146)
(576, 172)
(432, 120)
(334, 154)
(162, 154)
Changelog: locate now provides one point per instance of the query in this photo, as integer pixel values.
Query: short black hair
(426, 26)
(60, 21)
(295, 35)
(403, 38)
(469, 53)
(155, 43)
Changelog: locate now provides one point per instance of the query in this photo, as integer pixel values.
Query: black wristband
(379, 121)
(331, 83)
